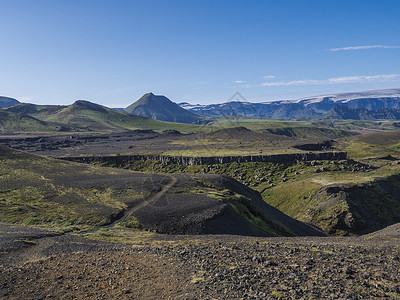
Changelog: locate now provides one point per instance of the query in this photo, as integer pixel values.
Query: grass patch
(244, 207)
(292, 198)
(130, 222)
(372, 144)
(121, 235)
(39, 191)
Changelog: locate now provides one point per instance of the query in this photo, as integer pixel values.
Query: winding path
(40, 244)
(146, 202)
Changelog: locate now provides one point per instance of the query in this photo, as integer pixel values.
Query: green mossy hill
(13, 122)
(356, 209)
(87, 116)
(161, 108)
(352, 199)
(39, 111)
(38, 191)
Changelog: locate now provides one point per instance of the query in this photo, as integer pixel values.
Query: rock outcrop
(188, 161)
(356, 209)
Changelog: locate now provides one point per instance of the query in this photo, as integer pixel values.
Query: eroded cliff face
(356, 209)
(188, 161)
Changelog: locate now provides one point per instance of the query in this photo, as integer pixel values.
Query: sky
(113, 51)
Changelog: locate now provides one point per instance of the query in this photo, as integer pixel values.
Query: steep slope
(292, 111)
(345, 197)
(38, 190)
(161, 108)
(234, 108)
(216, 204)
(356, 208)
(343, 112)
(6, 101)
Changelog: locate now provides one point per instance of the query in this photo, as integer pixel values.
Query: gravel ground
(200, 267)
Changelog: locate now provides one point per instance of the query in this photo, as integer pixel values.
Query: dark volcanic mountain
(6, 101)
(306, 108)
(161, 108)
(343, 112)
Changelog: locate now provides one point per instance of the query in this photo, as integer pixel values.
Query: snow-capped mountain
(301, 108)
(347, 97)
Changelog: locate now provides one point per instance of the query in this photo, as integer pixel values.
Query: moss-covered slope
(87, 116)
(41, 191)
(38, 190)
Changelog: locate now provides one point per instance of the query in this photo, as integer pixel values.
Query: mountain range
(343, 112)
(151, 110)
(80, 116)
(304, 108)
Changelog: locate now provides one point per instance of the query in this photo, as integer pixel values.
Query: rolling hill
(87, 116)
(161, 108)
(14, 122)
(6, 101)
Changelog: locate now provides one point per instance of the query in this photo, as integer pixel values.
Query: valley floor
(43, 264)
(116, 262)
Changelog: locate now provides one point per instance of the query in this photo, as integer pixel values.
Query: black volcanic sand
(85, 143)
(182, 210)
(144, 142)
(199, 267)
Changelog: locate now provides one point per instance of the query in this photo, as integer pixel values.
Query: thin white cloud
(239, 81)
(335, 80)
(363, 48)
(269, 77)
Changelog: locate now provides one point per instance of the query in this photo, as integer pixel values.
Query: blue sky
(112, 52)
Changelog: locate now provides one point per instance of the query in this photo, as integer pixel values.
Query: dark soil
(88, 143)
(201, 267)
(149, 142)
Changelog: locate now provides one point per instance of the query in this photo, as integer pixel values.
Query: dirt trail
(146, 202)
(37, 249)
